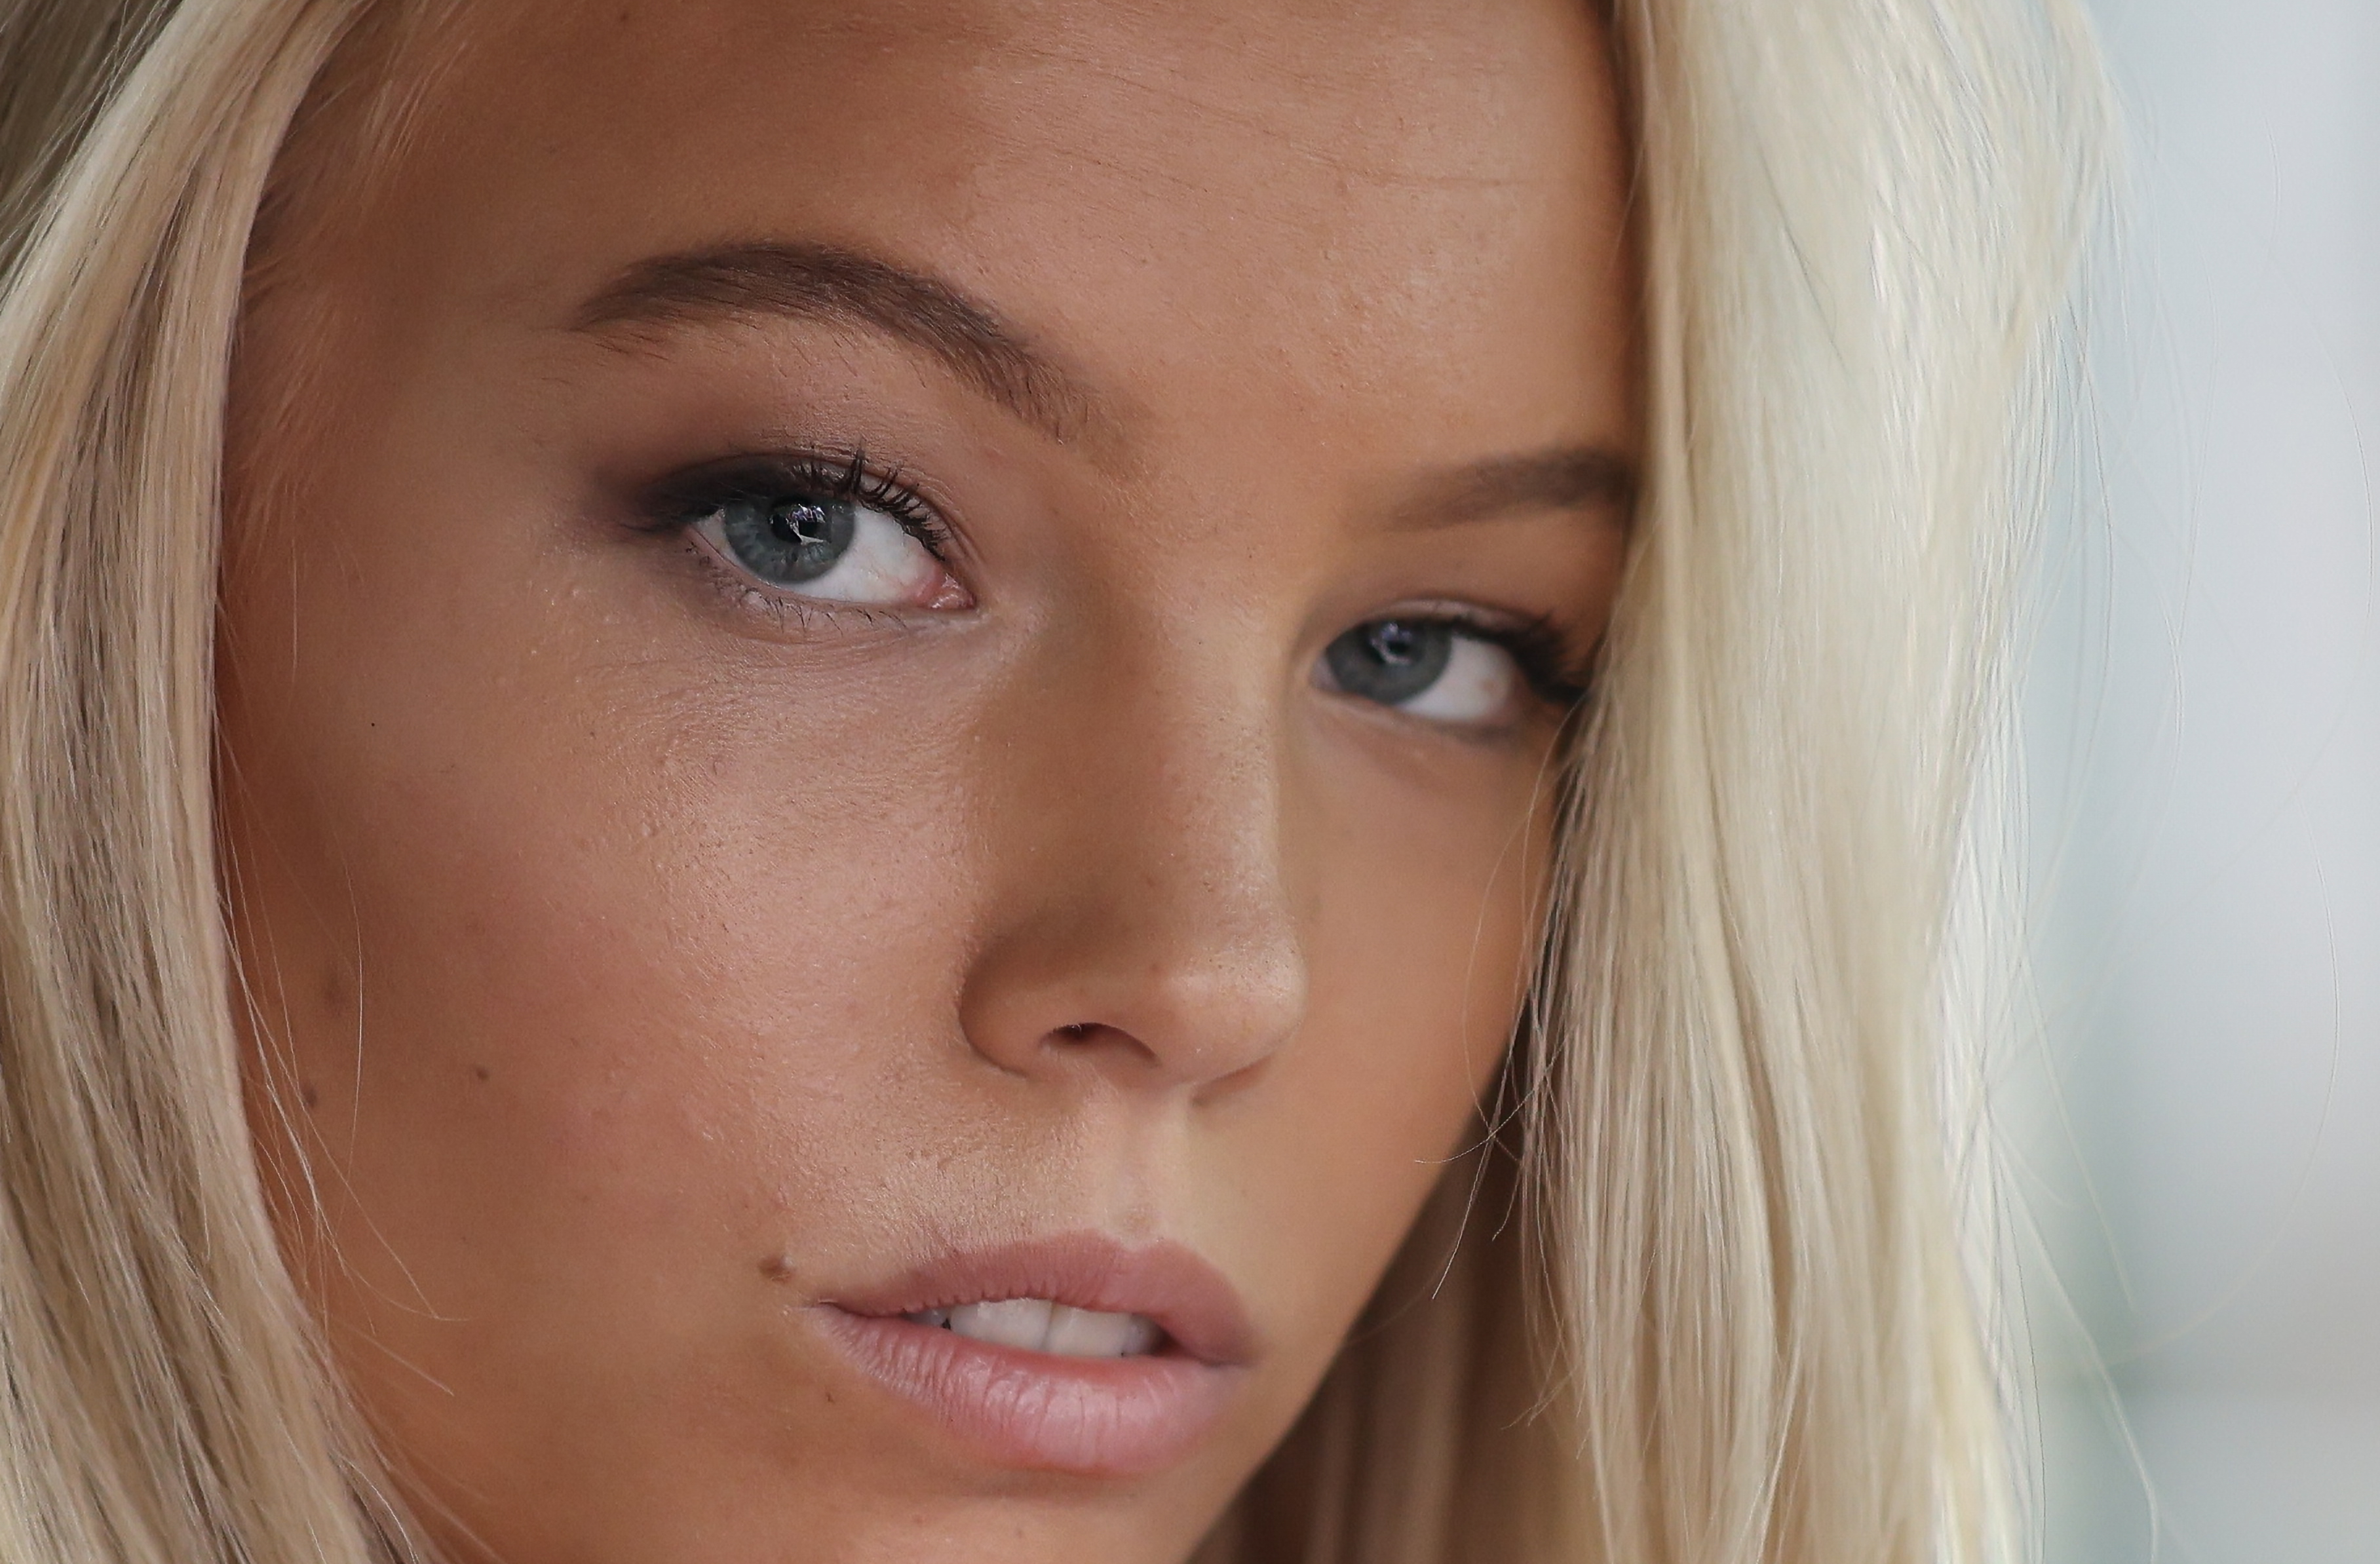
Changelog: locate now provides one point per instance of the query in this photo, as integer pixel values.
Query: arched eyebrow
(847, 287)
(1560, 478)
(839, 286)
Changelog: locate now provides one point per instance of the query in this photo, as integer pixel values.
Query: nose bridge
(1146, 917)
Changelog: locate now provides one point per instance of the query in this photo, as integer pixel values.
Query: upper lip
(1187, 1298)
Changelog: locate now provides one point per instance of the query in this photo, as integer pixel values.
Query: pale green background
(2205, 767)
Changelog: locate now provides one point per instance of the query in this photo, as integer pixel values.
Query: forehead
(1419, 202)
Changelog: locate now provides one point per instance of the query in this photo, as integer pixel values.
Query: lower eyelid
(787, 609)
(739, 593)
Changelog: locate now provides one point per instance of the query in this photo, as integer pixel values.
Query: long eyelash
(1552, 667)
(886, 491)
(689, 497)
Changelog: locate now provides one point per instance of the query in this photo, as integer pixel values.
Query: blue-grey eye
(827, 547)
(1427, 668)
(789, 541)
(1391, 661)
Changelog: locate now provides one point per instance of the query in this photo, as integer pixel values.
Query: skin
(635, 962)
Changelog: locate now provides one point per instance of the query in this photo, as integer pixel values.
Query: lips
(1074, 1354)
(1040, 1324)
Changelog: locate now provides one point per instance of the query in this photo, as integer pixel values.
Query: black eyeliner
(1554, 673)
(686, 497)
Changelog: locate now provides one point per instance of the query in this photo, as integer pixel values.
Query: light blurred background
(2203, 760)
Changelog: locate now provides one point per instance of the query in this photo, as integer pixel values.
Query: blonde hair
(1732, 1321)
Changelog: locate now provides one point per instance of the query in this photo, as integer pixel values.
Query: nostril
(1093, 1039)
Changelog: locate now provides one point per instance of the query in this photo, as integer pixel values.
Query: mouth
(1076, 1354)
(1043, 1325)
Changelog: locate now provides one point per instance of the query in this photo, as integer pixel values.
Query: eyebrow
(1570, 478)
(822, 281)
(826, 283)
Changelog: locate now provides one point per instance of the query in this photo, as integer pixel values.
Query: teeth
(1011, 1322)
(1081, 1333)
(1036, 1324)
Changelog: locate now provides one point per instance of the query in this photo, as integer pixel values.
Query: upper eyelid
(1523, 635)
(1536, 645)
(673, 500)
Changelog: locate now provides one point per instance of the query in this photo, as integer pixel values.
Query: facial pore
(884, 664)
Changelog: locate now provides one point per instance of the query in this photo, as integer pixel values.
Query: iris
(788, 542)
(1391, 660)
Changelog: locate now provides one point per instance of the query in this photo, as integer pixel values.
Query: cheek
(572, 959)
(1421, 934)
(1421, 947)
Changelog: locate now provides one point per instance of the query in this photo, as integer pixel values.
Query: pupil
(1391, 661)
(1397, 643)
(789, 541)
(801, 523)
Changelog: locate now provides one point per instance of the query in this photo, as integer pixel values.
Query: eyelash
(1548, 665)
(1555, 673)
(685, 499)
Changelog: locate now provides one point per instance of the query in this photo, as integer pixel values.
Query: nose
(1144, 923)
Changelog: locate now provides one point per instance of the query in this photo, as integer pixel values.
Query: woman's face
(887, 664)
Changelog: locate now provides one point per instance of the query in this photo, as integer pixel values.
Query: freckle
(481, 1071)
(307, 1094)
(778, 1268)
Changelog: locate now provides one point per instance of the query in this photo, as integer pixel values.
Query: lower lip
(1094, 1417)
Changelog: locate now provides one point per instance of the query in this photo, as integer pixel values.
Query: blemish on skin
(778, 1268)
(479, 1072)
(306, 1094)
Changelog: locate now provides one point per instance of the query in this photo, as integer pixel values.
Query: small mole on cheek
(479, 1072)
(778, 1268)
(306, 1094)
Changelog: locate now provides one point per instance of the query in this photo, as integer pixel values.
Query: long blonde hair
(1709, 1303)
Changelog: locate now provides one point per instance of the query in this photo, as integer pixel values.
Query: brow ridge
(825, 282)
(1561, 478)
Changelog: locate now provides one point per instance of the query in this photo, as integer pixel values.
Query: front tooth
(1084, 1333)
(1010, 1322)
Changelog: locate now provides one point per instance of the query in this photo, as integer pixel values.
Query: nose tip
(1142, 921)
(1161, 999)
